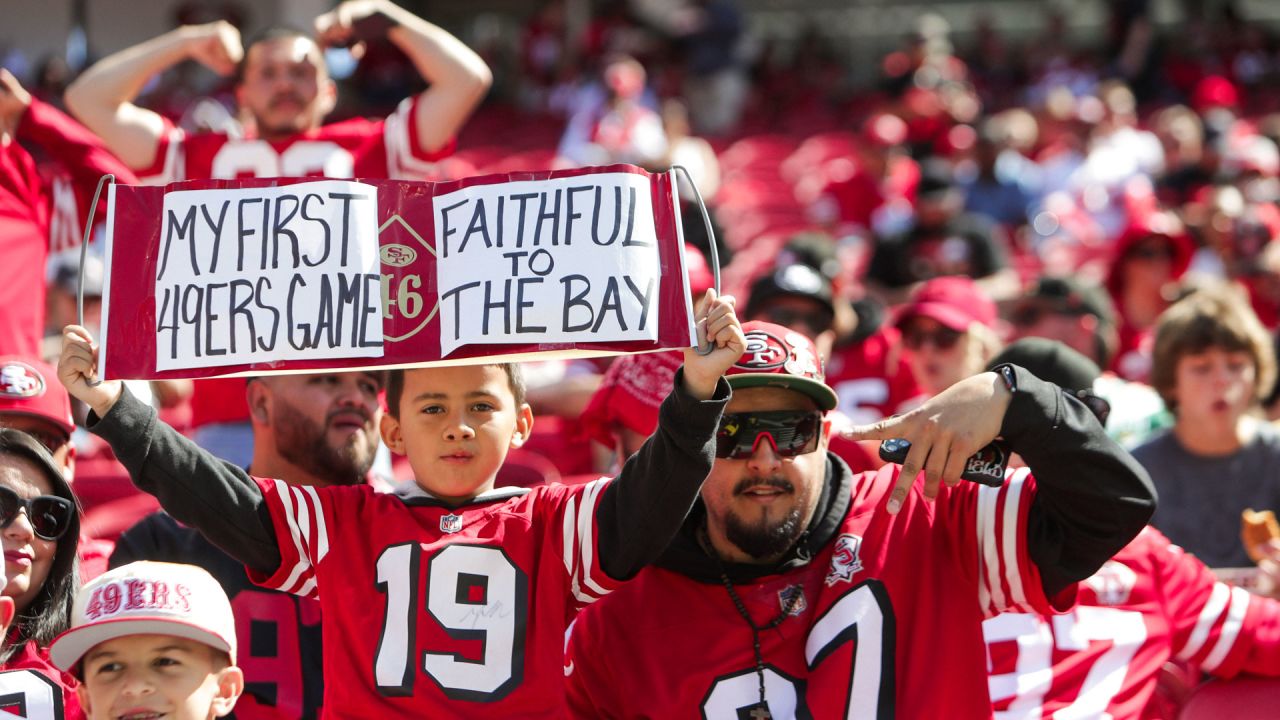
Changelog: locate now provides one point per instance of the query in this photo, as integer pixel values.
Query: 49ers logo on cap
(764, 352)
(20, 380)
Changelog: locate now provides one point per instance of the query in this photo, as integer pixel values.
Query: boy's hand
(720, 326)
(78, 366)
(943, 432)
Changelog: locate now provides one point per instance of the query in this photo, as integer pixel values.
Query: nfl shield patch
(791, 600)
(450, 523)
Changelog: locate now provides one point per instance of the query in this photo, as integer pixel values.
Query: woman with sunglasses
(40, 525)
(948, 329)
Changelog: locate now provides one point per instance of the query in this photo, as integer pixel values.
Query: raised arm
(213, 496)
(1091, 497)
(644, 507)
(62, 138)
(102, 97)
(458, 78)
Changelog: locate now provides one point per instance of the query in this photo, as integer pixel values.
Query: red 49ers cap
(30, 387)
(781, 357)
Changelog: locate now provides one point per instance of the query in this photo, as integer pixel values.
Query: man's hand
(718, 323)
(78, 366)
(943, 433)
(336, 28)
(14, 101)
(215, 45)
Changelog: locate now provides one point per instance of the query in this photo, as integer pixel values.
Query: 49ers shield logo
(764, 352)
(845, 562)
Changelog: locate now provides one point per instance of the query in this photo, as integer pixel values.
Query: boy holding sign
(450, 598)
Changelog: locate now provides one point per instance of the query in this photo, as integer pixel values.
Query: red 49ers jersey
(428, 612)
(872, 377)
(888, 623)
(1150, 603)
(353, 148)
(32, 688)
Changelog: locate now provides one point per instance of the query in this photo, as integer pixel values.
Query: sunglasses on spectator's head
(941, 337)
(790, 432)
(50, 516)
(1098, 405)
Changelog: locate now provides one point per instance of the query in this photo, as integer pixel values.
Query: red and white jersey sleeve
(441, 612)
(1151, 603)
(991, 527)
(301, 519)
(352, 148)
(579, 542)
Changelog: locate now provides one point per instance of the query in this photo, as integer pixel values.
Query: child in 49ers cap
(151, 640)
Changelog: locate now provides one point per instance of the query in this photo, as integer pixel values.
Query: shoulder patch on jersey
(845, 562)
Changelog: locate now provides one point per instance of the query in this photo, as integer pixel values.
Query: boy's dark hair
(275, 32)
(1210, 318)
(395, 386)
(49, 613)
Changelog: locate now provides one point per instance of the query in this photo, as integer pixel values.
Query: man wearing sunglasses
(797, 589)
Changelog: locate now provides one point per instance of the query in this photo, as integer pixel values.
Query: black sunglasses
(50, 516)
(943, 338)
(790, 432)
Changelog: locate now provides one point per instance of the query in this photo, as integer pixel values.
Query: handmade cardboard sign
(247, 277)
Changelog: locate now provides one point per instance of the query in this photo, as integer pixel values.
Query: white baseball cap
(147, 598)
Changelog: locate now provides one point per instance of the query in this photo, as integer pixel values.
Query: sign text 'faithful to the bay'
(288, 271)
(572, 259)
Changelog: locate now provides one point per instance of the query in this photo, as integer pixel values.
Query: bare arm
(102, 98)
(458, 78)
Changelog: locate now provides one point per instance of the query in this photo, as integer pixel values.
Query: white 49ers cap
(147, 598)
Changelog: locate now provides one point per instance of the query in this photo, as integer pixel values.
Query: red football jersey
(32, 688)
(888, 623)
(353, 148)
(873, 378)
(1152, 602)
(429, 612)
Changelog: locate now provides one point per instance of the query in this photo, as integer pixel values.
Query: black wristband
(372, 27)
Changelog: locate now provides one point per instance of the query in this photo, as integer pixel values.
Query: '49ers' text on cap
(147, 598)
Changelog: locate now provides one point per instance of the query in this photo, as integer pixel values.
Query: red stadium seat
(1244, 698)
(526, 469)
(108, 520)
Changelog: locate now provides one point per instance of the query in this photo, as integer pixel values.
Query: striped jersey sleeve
(301, 517)
(1008, 580)
(578, 542)
(1219, 627)
(405, 160)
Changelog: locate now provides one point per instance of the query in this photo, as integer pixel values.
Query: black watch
(1005, 371)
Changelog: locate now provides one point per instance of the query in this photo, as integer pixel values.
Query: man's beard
(301, 441)
(763, 539)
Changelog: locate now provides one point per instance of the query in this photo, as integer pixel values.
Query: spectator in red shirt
(949, 329)
(1151, 256)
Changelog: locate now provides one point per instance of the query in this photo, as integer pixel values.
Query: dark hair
(395, 386)
(49, 613)
(275, 32)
